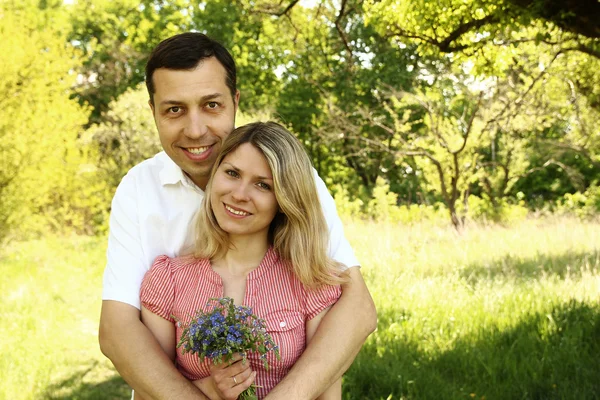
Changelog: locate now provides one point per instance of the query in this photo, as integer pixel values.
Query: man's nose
(196, 125)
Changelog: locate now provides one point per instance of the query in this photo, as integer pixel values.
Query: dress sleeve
(158, 289)
(316, 300)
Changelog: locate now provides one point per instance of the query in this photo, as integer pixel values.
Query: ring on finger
(234, 380)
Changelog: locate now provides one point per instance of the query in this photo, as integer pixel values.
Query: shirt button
(282, 324)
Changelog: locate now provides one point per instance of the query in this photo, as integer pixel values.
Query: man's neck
(198, 182)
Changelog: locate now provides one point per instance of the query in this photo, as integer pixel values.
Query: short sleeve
(158, 289)
(316, 300)
(125, 267)
(339, 247)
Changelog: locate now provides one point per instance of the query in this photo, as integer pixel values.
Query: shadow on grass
(554, 355)
(541, 265)
(75, 387)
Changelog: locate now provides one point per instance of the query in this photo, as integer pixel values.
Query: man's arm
(123, 338)
(138, 357)
(333, 392)
(335, 344)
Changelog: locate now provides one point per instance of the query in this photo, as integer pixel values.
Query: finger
(241, 386)
(242, 376)
(237, 357)
(230, 390)
(246, 383)
(236, 368)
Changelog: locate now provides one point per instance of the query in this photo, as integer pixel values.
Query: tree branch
(280, 12)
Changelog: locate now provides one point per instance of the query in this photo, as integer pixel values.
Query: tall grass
(491, 313)
(49, 309)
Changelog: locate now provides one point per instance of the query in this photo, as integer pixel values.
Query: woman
(261, 240)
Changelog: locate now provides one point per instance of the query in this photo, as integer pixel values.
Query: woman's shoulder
(176, 265)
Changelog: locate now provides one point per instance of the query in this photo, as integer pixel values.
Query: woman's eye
(264, 186)
(232, 173)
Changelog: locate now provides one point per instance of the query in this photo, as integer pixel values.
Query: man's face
(194, 112)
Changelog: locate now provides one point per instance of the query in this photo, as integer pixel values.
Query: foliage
(383, 208)
(116, 37)
(456, 26)
(503, 211)
(40, 122)
(583, 205)
(366, 86)
(126, 137)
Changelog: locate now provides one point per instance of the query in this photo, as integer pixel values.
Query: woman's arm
(164, 333)
(334, 392)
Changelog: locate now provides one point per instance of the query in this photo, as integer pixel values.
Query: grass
(50, 308)
(493, 313)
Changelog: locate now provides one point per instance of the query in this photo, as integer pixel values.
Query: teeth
(236, 212)
(197, 150)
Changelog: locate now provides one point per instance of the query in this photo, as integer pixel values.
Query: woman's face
(242, 195)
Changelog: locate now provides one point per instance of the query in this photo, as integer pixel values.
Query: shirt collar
(171, 174)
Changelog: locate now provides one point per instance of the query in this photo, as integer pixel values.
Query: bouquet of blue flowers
(225, 330)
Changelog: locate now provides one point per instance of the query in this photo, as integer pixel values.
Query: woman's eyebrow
(239, 170)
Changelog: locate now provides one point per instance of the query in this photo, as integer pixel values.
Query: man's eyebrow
(205, 98)
(211, 96)
(256, 176)
(170, 102)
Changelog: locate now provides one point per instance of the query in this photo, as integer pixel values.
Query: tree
(125, 138)
(39, 122)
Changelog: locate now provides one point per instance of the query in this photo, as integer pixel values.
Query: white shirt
(153, 213)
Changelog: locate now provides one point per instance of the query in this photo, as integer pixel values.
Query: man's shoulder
(146, 175)
(149, 167)
(149, 171)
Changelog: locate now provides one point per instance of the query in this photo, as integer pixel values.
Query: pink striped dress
(180, 286)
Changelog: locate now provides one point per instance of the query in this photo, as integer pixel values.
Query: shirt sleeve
(157, 293)
(339, 247)
(125, 265)
(316, 300)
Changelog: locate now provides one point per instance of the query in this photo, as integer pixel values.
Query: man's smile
(197, 150)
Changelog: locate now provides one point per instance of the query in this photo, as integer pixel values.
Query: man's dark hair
(184, 52)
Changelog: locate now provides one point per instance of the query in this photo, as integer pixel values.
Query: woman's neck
(244, 255)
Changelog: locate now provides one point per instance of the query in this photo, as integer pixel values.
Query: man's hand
(138, 357)
(335, 344)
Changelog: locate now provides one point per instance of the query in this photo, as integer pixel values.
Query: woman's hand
(231, 379)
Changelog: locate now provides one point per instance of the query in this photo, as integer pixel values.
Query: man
(191, 81)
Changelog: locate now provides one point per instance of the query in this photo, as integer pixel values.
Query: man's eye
(212, 105)
(174, 110)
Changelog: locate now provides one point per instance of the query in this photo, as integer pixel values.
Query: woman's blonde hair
(298, 233)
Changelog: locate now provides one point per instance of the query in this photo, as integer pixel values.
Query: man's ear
(236, 100)
(151, 106)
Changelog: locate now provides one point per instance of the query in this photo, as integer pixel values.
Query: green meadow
(491, 313)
